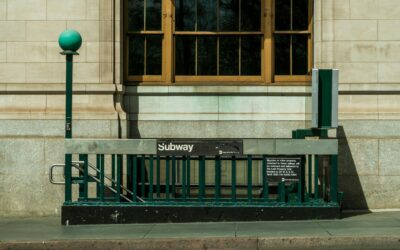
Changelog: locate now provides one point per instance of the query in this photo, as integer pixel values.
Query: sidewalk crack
(148, 232)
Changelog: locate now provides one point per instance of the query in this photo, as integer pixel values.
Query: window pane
(153, 55)
(282, 14)
(185, 15)
(185, 55)
(251, 55)
(300, 54)
(300, 15)
(206, 55)
(282, 54)
(206, 15)
(153, 14)
(135, 15)
(136, 55)
(229, 55)
(229, 15)
(251, 15)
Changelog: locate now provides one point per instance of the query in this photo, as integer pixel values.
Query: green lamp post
(70, 41)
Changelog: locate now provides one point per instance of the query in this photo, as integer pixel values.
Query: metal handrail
(77, 165)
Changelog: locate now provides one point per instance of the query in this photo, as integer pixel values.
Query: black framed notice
(283, 168)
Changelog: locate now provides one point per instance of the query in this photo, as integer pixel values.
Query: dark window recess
(300, 54)
(135, 15)
(282, 15)
(206, 15)
(145, 47)
(229, 55)
(300, 15)
(251, 55)
(207, 55)
(154, 55)
(153, 14)
(136, 55)
(185, 53)
(229, 15)
(185, 15)
(250, 15)
(282, 55)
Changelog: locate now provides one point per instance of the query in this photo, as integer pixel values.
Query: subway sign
(180, 147)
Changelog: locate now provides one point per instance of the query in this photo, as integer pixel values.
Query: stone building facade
(358, 37)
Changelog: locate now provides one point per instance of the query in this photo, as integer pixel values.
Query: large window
(225, 41)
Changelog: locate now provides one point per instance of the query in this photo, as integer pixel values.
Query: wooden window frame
(168, 77)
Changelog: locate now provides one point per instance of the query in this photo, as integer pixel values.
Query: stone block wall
(32, 99)
(361, 39)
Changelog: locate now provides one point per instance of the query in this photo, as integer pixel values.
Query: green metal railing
(139, 180)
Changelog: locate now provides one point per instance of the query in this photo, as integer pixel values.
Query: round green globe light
(70, 40)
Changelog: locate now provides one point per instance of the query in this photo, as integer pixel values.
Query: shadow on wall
(349, 180)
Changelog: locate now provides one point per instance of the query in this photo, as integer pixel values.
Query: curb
(242, 243)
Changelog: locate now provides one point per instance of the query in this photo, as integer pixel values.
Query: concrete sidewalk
(367, 231)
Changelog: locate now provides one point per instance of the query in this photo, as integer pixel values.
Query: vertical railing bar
(102, 177)
(119, 177)
(173, 176)
(183, 177)
(134, 177)
(142, 176)
(217, 178)
(86, 177)
(316, 170)
(167, 178)
(310, 160)
(233, 179)
(113, 160)
(265, 180)
(188, 185)
(158, 177)
(201, 178)
(98, 166)
(151, 173)
(81, 176)
(249, 178)
(282, 191)
(300, 184)
(334, 179)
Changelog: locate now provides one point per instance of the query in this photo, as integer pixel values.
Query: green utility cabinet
(325, 98)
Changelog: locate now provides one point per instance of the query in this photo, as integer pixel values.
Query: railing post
(70, 41)
(334, 179)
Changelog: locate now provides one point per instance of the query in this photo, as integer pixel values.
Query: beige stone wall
(361, 39)
(32, 99)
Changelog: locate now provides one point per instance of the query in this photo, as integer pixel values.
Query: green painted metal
(184, 176)
(249, 178)
(167, 178)
(202, 178)
(334, 180)
(188, 185)
(316, 175)
(173, 176)
(151, 177)
(158, 177)
(70, 40)
(281, 192)
(265, 189)
(142, 176)
(209, 194)
(119, 176)
(101, 186)
(113, 163)
(233, 179)
(325, 98)
(217, 175)
(134, 176)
